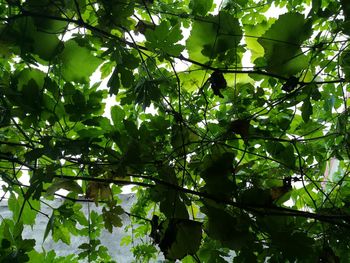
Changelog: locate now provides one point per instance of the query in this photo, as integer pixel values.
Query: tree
(246, 151)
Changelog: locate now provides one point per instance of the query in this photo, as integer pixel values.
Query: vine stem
(254, 209)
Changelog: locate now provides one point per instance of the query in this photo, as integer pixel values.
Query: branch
(253, 208)
(17, 144)
(104, 180)
(81, 23)
(78, 10)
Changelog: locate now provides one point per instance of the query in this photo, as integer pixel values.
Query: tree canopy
(230, 124)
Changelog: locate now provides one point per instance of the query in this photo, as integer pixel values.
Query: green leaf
(49, 226)
(216, 174)
(306, 110)
(211, 251)
(102, 122)
(345, 63)
(282, 44)
(165, 37)
(111, 217)
(38, 38)
(30, 74)
(5, 243)
(294, 245)
(213, 36)
(252, 42)
(181, 237)
(60, 232)
(146, 92)
(114, 82)
(181, 137)
(200, 7)
(78, 62)
(316, 5)
(117, 115)
(255, 196)
(315, 93)
(34, 154)
(171, 204)
(22, 210)
(118, 13)
(346, 9)
(284, 154)
(245, 256)
(231, 231)
(90, 133)
(187, 153)
(68, 185)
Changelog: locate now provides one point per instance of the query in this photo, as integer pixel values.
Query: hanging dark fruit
(290, 84)
(217, 82)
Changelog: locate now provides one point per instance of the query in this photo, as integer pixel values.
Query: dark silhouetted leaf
(306, 110)
(180, 238)
(290, 84)
(217, 82)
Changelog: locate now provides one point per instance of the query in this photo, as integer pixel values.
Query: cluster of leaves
(244, 155)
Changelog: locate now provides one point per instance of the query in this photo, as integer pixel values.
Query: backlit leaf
(213, 36)
(282, 44)
(181, 237)
(200, 7)
(78, 62)
(165, 37)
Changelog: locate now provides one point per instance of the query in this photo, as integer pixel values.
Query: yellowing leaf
(98, 191)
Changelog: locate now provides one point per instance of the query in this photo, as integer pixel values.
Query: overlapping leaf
(78, 62)
(282, 43)
(213, 36)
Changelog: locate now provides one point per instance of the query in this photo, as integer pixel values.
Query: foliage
(234, 137)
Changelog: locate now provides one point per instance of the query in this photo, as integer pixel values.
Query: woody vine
(244, 155)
